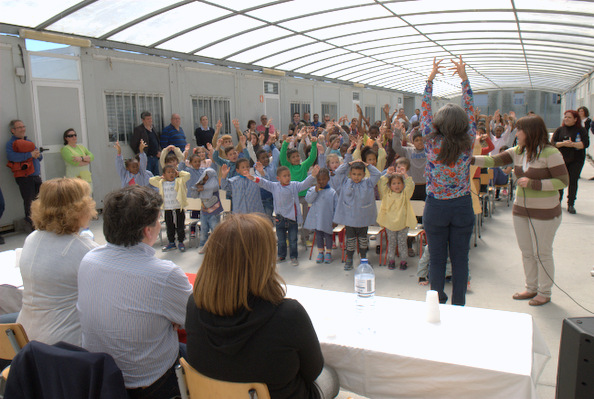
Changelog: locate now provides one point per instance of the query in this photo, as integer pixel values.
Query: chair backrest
(12, 339)
(486, 178)
(194, 204)
(202, 387)
(418, 207)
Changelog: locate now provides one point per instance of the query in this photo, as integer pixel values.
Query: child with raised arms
(396, 214)
(286, 207)
(245, 194)
(356, 207)
(133, 171)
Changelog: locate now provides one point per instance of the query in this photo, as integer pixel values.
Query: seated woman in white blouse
(50, 260)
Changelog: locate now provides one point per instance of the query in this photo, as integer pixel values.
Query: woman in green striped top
(541, 173)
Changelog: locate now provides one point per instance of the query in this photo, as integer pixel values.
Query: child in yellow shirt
(396, 214)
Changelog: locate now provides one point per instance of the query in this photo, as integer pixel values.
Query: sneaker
(181, 247)
(391, 265)
(280, 260)
(328, 258)
(294, 262)
(201, 250)
(504, 191)
(571, 209)
(403, 265)
(169, 247)
(348, 265)
(411, 253)
(320, 257)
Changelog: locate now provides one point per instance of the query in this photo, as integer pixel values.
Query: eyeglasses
(71, 135)
(19, 127)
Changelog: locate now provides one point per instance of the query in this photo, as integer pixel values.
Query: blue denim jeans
(152, 165)
(207, 224)
(286, 226)
(449, 224)
(268, 205)
(165, 387)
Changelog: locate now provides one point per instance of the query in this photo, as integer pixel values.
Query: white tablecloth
(390, 351)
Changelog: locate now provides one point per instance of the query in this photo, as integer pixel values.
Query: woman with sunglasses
(77, 158)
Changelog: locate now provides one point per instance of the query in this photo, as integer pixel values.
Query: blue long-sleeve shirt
(286, 198)
(321, 213)
(356, 202)
(171, 136)
(141, 178)
(245, 194)
(14, 156)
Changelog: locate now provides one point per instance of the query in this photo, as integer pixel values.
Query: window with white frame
(370, 113)
(330, 109)
(123, 113)
(216, 109)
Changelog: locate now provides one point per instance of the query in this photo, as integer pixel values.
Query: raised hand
(219, 143)
(219, 124)
(118, 147)
(268, 122)
(243, 140)
(315, 170)
(141, 146)
(436, 69)
(459, 68)
(224, 170)
(391, 170)
(387, 109)
(259, 167)
(235, 123)
(208, 147)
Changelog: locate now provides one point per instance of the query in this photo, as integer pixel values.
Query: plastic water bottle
(87, 233)
(365, 284)
(578, 138)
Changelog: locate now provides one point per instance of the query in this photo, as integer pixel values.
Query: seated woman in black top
(239, 325)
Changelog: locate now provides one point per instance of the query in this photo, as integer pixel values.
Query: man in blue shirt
(24, 160)
(174, 134)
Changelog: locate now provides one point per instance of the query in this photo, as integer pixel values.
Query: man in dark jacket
(145, 132)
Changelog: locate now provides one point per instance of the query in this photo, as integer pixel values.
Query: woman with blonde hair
(50, 260)
(240, 326)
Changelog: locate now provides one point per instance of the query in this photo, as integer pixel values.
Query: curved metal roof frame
(532, 44)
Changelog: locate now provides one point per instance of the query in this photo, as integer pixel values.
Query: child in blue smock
(356, 207)
(245, 194)
(323, 200)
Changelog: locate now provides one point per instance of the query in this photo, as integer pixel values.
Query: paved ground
(495, 267)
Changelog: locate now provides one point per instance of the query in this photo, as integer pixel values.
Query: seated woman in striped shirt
(541, 173)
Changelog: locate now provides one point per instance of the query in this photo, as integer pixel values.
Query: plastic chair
(194, 385)
(194, 204)
(12, 339)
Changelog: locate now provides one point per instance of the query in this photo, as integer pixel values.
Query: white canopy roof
(508, 44)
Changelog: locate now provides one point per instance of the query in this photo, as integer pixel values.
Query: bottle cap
(364, 260)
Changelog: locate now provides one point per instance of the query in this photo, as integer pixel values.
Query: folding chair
(194, 204)
(194, 385)
(12, 339)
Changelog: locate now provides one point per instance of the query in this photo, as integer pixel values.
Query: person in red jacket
(24, 161)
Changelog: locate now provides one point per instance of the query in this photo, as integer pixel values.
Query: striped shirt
(547, 174)
(127, 302)
(447, 181)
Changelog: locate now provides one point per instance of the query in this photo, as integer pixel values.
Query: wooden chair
(12, 339)
(418, 233)
(194, 385)
(194, 204)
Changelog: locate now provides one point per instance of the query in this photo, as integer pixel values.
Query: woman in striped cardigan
(541, 173)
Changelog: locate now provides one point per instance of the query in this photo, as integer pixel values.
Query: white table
(392, 352)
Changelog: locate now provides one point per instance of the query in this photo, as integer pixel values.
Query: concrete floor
(495, 267)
